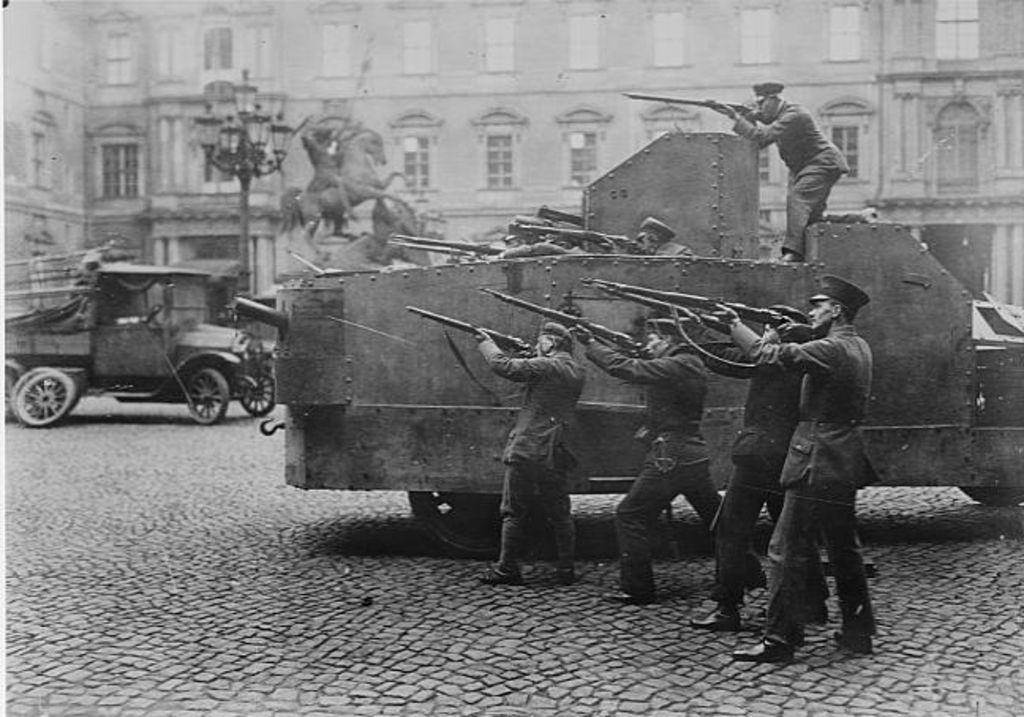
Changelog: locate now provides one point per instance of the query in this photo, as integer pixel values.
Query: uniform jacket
(675, 386)
(772, 408)
(553, 385)
(801, 144)
(827, 445)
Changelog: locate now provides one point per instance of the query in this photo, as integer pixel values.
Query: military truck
(378, 400)
(135, 332)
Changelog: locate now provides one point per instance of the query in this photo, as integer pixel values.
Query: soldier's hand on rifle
(481, 336)
(725, 314)
(582, 335)
(721, 109)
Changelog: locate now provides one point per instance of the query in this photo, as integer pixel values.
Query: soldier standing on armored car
(815, 164)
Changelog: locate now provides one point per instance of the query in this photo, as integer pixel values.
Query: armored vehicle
(135, 332)
(378, 400)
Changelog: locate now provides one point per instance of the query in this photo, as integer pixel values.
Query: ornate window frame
(501, 121)
(856, 112)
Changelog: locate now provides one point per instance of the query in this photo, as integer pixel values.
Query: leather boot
(724, 618)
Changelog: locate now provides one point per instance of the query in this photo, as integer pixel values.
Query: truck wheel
(43, 396)
(257, 395)
(466, 524)
(994, 496)
(208, 396)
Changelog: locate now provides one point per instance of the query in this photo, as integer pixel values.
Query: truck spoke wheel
(208, 396)
(257, 395)
(44, 396)
(466, 524)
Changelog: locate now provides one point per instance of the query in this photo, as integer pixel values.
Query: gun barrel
(505, 341)
(683, 101)
(695, 301)
(428, 242)
(616, 337)
(264, 314)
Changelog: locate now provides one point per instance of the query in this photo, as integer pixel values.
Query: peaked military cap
(849, 295)
(662, 230)
(766, 89)
(553, 328)
(790, 313)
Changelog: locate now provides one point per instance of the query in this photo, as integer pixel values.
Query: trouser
(806, 199)
(635, 517)
(530, 486)
(810, 510)
(754, 483)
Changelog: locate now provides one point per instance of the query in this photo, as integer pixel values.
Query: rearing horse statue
(345, 161)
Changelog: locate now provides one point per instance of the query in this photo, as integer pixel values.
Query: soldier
(536, 454)
(815, 164)
(655, 237)
(824, 468)
(677, 457)
(769, 418)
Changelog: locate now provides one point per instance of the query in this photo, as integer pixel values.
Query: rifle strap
(704, 353)
(469, 372)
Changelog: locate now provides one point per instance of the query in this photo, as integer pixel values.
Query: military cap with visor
(658, 228)
(768, 89)
(837, 289)
(551, 328)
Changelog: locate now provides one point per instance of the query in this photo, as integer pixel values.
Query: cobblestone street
(157, 567)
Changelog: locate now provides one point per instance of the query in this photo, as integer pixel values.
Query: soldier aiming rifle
(610, 336)
(505, 342)
(745, 110)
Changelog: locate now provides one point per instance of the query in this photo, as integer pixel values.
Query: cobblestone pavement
(156, 567)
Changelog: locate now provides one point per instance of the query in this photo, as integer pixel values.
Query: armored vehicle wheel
(996, 497)
(257, 395)
(466, 524)
(208, 396)
(44, 396)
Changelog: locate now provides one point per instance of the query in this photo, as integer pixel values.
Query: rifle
(744, 110)
(553, 215)
(441, 245)
(505, 342)
(610, 242)
(617, 338)
(673, 309)
(697, 302)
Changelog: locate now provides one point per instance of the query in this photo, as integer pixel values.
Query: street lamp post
(247, 145)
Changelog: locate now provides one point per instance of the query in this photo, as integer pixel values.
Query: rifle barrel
(506, 341)
(695, 301)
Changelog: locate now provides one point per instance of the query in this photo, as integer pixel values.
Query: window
(416, 44)
(764, 166)
(260, 51)
(669, 36)
(756, 28)
(847, 139)
(218, 53)
(119, 59)
(956, 29)
(844, 33)
(213, 174)
(582, 157)
(499, 41)
(416, 161)
(499, 161)
(120, 171)
(167, 52)
(584, 33)
(957, 137)
(40, 160)
(336, 50)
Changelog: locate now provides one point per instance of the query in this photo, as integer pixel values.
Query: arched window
(500, 130)
(958, 137)
(416, 133)
(847, 122)
(583, 132)
(669, 118)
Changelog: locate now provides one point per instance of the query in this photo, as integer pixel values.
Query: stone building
(495, 107)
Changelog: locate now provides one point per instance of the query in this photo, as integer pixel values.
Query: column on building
(1006, 269)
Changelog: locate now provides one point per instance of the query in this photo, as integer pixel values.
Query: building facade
(492, 108)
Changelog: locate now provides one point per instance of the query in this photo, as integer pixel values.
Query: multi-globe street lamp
(247, 145)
